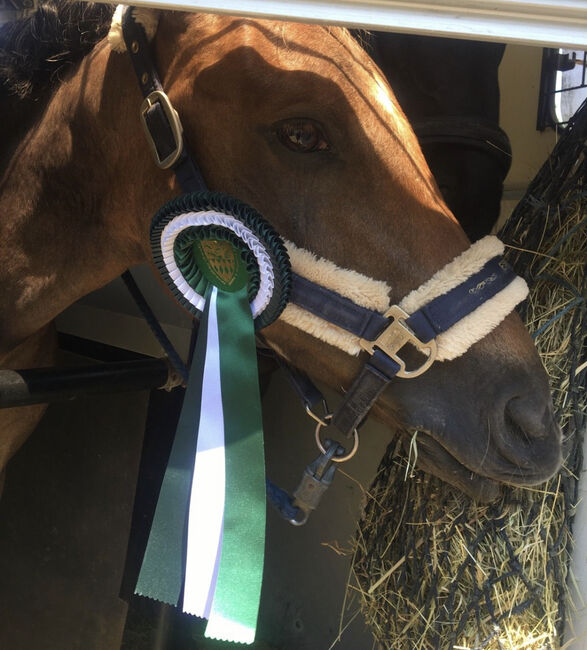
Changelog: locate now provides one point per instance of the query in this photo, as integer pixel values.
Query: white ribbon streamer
(206, 510)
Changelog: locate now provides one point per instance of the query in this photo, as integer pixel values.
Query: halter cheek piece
(452, 297)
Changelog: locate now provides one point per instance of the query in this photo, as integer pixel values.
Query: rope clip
(316, 479)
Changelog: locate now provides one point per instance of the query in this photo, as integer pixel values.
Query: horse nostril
(530, 438)
(530, 419)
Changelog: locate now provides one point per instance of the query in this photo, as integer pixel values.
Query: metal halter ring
(336, 459)
(323, 421)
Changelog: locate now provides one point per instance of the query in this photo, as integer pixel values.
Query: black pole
(42, 385)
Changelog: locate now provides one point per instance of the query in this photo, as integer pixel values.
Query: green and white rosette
(206, 546)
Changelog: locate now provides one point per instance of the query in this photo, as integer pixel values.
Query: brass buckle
(158, 96)
(395, 336)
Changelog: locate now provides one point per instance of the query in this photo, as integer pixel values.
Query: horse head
(297, 121)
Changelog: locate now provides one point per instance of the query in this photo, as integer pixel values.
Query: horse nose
(531, 438)
(531, 418)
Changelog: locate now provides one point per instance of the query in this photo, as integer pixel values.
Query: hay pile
(434, 570)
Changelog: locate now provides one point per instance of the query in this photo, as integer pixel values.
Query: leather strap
(186, 171)
(303, 385)
(364, 391)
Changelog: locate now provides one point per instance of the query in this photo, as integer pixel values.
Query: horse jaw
(467, 433)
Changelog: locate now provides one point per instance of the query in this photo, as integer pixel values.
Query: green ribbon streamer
(238, 589)
(162, 572)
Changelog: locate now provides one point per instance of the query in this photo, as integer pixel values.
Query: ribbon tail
(162, 571)
(235, 607)
(206, 509)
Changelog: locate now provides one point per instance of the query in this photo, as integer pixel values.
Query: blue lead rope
(281, 501)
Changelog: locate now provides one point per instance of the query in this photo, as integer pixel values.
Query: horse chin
(436, 460)
(433, 458)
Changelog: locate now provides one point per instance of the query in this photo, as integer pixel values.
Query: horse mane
(35, 51)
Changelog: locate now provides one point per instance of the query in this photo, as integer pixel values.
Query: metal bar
(545, 23)
(94, 351)
(43, 385)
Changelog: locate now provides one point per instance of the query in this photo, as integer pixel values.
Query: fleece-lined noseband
(454, 309)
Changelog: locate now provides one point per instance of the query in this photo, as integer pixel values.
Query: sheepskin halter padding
(148, 18)
(370, 293)
(374, 294)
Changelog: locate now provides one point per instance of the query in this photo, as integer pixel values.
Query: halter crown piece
(228, 266)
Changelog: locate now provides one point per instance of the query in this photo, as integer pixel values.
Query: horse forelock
(34, 50)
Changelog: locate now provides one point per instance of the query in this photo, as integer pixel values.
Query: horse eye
(302, 136)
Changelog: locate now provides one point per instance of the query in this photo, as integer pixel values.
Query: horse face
(298, 122)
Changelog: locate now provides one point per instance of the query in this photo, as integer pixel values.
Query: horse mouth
(483, 483)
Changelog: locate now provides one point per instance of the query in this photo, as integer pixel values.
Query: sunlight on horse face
(296, 121)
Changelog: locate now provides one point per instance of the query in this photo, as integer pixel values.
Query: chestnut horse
(297, 121)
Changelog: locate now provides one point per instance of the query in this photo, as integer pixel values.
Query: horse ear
(148, 18)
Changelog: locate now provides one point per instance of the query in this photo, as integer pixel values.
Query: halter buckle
(394, 337)
(159, 98)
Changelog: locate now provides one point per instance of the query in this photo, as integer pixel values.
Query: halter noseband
(382, 335)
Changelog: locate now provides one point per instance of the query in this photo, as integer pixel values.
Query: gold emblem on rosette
(221, 258)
